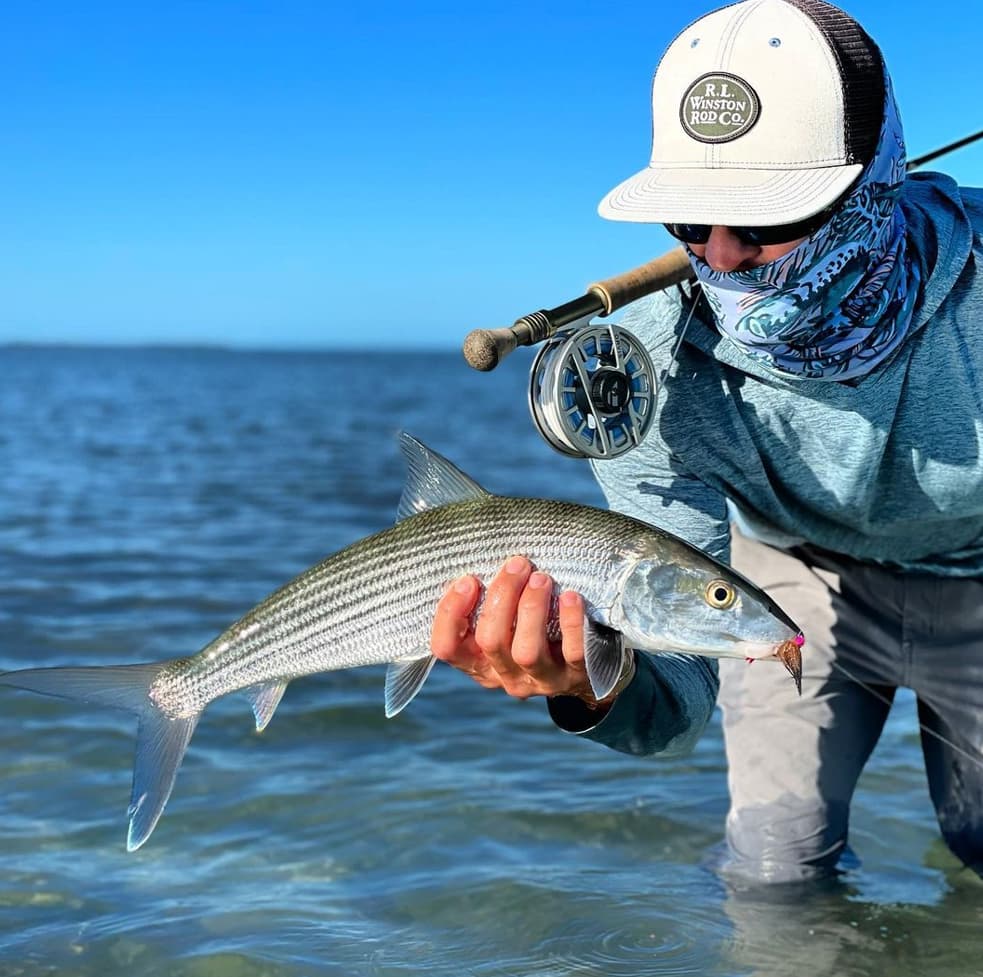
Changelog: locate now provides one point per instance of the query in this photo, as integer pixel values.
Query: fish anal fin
(264, 699)
(404, 678)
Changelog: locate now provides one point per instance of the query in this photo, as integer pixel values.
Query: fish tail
(161, 740)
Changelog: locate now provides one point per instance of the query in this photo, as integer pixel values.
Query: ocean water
(150, 497)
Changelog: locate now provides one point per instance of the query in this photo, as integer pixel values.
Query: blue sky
(304, 174)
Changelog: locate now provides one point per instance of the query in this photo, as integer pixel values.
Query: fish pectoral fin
(604, 655)
(264, 699)
(404, 678)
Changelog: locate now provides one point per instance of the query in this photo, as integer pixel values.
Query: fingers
(509, 647)
(571, 608)
(531, 651)
(495, 630)
(451, 639)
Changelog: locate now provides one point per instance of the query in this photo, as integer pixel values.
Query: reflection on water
(151, 497)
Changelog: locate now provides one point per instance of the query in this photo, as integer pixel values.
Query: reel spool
(592, 391)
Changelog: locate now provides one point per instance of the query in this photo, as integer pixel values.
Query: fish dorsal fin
(264, 699)
(432, 480)
(404, 678)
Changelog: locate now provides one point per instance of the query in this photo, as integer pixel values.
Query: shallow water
(148, 499)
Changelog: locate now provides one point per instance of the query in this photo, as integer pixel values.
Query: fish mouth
(788, 652)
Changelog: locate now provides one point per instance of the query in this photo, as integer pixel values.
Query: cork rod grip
(484, 349)
(665, 271)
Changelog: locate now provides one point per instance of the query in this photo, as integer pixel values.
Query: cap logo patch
(719, 107)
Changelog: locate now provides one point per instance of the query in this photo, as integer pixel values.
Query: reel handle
(484, 349)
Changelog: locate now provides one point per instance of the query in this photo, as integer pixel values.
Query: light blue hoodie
(887, 468)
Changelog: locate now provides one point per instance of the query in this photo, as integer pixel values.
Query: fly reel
(592, 391)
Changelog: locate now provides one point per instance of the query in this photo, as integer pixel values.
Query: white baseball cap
(763, 112)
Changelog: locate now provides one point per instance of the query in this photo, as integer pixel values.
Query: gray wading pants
(794, 762)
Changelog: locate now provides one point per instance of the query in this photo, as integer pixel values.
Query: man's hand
(508, 648)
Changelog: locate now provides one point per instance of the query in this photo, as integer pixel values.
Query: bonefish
(373, 603)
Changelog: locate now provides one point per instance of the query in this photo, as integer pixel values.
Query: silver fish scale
(374, 601)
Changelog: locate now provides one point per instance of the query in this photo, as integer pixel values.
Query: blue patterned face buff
(842, 301)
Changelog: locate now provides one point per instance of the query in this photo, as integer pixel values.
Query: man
(821, 428)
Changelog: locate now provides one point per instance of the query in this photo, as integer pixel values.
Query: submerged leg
(955, 782)
(793, 763)
(946, 627)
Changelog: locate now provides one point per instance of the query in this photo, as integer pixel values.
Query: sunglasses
(755, 237)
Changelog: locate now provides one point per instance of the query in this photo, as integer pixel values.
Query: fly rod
(484, 349)
(935, 154)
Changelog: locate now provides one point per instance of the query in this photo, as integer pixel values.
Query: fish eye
(720, 595)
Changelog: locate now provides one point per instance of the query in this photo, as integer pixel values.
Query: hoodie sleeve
(663, 711)
(671, 698)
